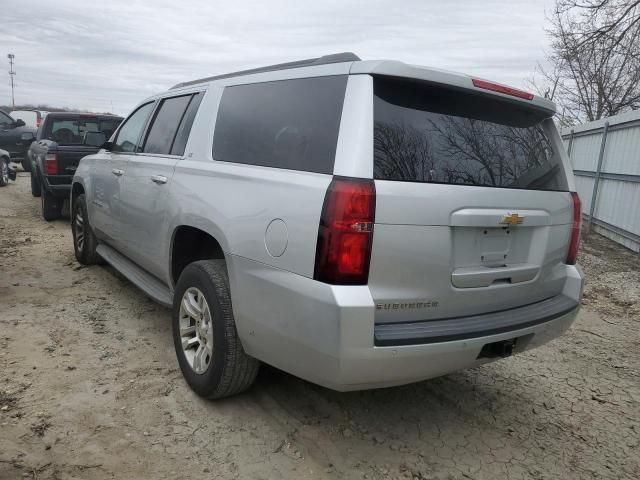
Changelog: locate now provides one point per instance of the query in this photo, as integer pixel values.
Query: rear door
(473, 212)
(148, 177)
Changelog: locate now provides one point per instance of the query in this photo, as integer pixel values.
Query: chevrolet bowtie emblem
(512, 219)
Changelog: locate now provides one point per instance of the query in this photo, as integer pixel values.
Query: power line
(12, 73)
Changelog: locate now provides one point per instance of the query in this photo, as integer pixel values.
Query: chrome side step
(146, 282)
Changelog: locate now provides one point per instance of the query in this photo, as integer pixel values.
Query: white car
(359, 224)
(31, 118)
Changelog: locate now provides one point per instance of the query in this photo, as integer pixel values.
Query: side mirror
(20, 123)
(107, 146)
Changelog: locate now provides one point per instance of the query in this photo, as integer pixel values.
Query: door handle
(117, 172)
(159, 179)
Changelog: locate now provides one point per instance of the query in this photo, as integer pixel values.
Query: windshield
(424, 133)
(73, 131)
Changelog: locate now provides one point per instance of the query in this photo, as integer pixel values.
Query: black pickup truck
(15, 137)
(62, 140)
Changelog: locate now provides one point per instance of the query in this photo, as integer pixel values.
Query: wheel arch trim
(198, 223)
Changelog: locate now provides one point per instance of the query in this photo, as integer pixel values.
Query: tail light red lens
(575, 230)
(496, 87)
(345, 234)
(51, 164)
(38, 122)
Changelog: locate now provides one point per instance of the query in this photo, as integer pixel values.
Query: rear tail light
(38, 122)
(51, 164)
(496, 87)
(575, 229)
(343, 251)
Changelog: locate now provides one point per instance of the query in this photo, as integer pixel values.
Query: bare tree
(602, 17)
(594, 62)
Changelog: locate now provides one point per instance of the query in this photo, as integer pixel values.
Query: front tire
(36, 188)
(209, 351)
(51, 206)
(26, 164)
(84, 240)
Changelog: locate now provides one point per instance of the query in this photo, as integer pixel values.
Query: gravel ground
(90, 388)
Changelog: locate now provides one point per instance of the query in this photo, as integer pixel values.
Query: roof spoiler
(311, 62)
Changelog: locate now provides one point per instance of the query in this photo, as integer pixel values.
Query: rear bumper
(484, 325)
(326, 334)
(388, 366)
(58, 185)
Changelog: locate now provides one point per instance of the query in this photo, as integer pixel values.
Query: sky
(110, 57)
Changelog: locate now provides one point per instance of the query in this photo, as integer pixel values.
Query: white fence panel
(616, 185)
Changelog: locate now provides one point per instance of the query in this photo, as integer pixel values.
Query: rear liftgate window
(424, 133)
(290, 124)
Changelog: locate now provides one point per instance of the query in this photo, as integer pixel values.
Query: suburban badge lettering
(407, 306)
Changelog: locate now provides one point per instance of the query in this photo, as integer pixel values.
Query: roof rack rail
(324, 60)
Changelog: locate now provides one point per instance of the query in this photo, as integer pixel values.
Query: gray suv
(359, 224)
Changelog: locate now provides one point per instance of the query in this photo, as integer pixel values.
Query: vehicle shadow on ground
(457, 394)
(459, 421)
(488, 407)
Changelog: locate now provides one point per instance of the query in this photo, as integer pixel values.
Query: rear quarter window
(290, 124)
(426, 133)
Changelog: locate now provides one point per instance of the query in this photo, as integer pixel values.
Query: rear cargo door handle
(117, 172)
(159, 179)
(481, 276)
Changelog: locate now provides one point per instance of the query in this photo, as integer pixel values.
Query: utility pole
(11, 56)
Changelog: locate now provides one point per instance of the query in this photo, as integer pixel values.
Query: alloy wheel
(78, 227)
(196, 330)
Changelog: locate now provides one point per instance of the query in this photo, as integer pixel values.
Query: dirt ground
(90, 388)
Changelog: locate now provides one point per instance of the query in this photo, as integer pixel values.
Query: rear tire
(36, 188)
(51, 206)
(26, 164)
(4, 171)
(202, 307)
(84, 240)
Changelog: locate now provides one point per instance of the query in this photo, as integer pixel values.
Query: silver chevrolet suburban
(359, 224)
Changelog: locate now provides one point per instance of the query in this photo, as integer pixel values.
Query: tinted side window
(165, 124)
(289, 124)
(129, 134)
(182, 136)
